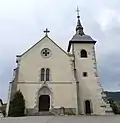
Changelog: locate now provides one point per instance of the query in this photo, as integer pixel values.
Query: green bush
(17, 105)
(115, 105)
(3, 109)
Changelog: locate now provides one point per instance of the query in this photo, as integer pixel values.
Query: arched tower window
(83, 54)
(42, 74)
(47, 74)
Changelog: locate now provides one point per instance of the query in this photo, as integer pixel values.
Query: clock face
(46, 52)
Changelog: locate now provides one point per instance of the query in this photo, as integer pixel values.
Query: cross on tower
(46, 31)
(46, 52)
(78, 12)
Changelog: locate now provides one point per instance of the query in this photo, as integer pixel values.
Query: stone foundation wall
(64, 111)
(55, 111)
(31, 112)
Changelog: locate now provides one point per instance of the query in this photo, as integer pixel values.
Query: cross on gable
(46, 31)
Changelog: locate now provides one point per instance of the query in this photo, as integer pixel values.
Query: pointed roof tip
(79, 28)
(80, 36)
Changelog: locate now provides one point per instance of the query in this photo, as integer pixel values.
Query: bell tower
(88, 88)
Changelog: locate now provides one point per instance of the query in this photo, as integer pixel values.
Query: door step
(45, 113)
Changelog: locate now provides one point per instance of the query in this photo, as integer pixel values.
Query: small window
(42, 74)
(83, 54)
(47, 74)
(85, 74)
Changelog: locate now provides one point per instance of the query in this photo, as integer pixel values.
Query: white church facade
(60, 82)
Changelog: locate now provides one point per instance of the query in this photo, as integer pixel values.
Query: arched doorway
(44, 103)
(87, 107)
(44, 99)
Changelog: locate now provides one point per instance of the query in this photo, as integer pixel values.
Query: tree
(115, 106)
(17, 105)
(3, 109)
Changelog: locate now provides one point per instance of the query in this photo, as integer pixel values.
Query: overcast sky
(22, 23)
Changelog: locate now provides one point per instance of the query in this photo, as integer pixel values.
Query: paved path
(62, 119)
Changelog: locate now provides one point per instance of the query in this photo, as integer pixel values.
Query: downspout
(77, 82)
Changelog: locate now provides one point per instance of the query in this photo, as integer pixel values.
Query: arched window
(42, 74)
(83, 54)
(47, 74)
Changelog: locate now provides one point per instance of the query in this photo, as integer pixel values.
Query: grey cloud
(109, 69)
(22, 24)
(5, 78)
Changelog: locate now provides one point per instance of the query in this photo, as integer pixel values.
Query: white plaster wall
(30, 93)
(60, 72)
(64, 95)
(8, 99)
(89, 87)
(32, 62)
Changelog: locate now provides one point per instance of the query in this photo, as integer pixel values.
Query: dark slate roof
(80, 39)
(77, 37)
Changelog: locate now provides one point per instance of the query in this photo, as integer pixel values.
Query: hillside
(114, 95)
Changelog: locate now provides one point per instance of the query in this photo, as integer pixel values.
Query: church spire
(79, 28)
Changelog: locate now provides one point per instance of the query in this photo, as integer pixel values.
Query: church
(60, 82)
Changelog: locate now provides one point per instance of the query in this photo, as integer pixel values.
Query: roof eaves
(37, 43)
(31, 47)
(58, 46)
